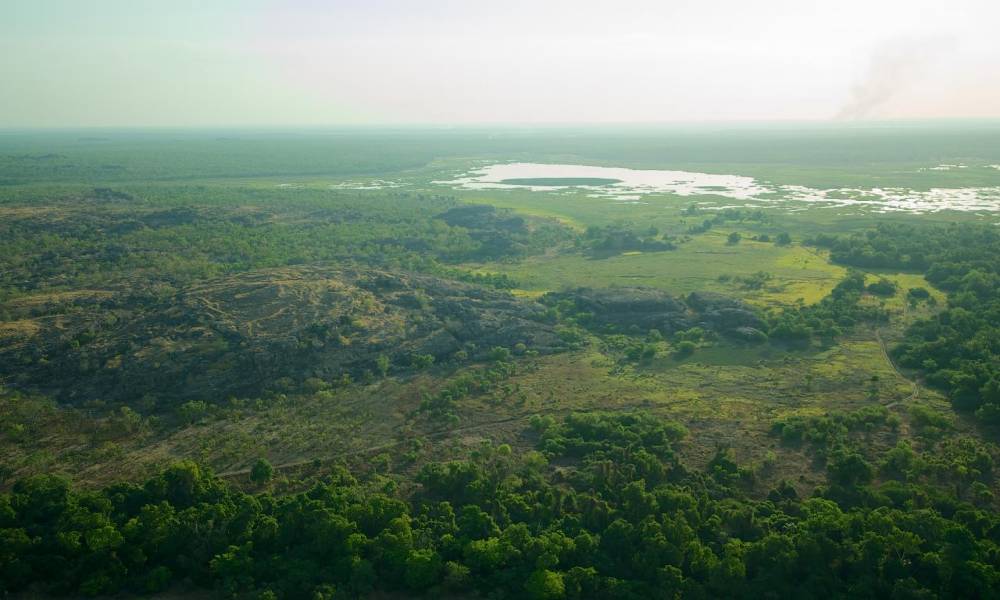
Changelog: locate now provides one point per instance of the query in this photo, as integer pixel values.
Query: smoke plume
(895, 66)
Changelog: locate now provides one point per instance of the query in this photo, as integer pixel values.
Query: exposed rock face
(705, 301)
(240, 334)
(749, 334)
(626, 309)
(725, 314)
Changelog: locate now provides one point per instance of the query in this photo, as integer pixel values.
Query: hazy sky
(303, 62)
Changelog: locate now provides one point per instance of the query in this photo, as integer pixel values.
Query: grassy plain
(798, 274)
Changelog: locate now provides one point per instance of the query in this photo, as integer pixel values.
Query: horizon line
(501, 124)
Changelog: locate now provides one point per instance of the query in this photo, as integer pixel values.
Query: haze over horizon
(308, 63)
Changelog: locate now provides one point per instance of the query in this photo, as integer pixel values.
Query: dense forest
(602, 508)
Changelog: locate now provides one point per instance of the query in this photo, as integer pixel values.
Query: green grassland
(695, 265)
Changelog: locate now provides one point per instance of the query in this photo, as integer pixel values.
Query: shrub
(882, 287)
(684, 349)
(193, 410)
(421, 361)
(261, 471)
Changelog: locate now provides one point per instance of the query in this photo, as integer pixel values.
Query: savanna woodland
(361, 360)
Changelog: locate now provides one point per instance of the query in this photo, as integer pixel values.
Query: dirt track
(914, 394)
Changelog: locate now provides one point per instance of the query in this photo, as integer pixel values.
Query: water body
(621, 184)
(373, 184)
(560, 181)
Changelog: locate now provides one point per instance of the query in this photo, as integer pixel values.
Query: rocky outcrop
(642, 309)
(727, 315)
(239, 335)
(627, 308)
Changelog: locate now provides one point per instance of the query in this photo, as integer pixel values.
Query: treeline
(640, 311)
(836, 313)
(130, 157)
(617, 238)
(959, 347)
(917, 248)
(619, 517)
(729, 215)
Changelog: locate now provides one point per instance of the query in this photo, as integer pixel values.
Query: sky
(451, 62)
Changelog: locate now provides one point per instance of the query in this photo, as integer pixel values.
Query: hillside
(238, 335)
